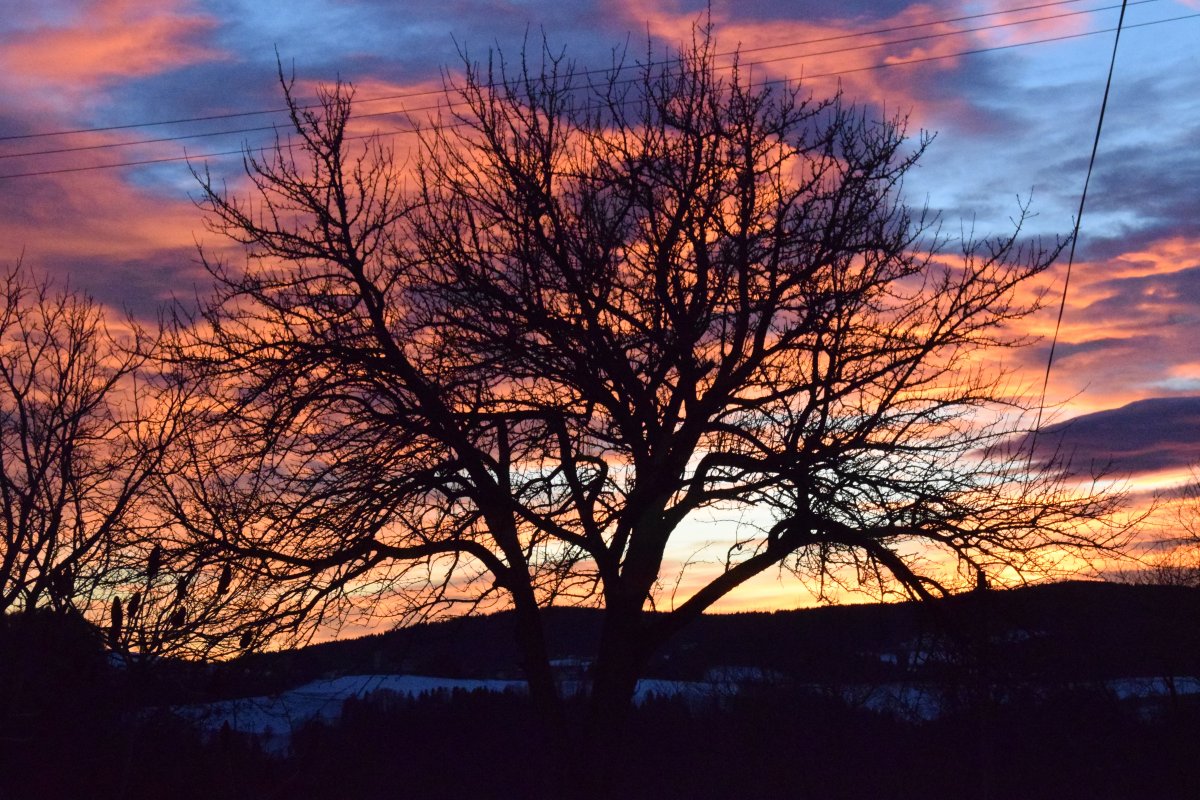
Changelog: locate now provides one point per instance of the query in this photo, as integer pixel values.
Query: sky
(1012, 89)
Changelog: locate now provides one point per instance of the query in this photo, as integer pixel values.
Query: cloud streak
(1146, 436)
(105, 41)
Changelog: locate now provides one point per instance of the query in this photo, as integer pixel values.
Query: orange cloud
(1128, 330)
(108, 225)
(127, 235)
(1036, 23)
(393, 111)
(828, 54)
(108, 39)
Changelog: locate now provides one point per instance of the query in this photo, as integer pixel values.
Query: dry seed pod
(154, 562)
(117, 622)
(225, 579)
(63, 583)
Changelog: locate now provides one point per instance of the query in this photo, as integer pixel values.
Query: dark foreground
(784, 745)
(1014, 722)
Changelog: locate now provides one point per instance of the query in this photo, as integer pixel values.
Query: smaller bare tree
(87, 427)
(1173, 558)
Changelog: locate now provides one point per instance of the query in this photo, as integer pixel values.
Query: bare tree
(1171, 550)
(83, 436)
(515, 368)
(1178, 561)
(91, 429)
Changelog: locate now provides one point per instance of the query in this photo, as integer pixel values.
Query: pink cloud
(829, 53)
(1129, 328)
(129, 222)
(1036, 23)
(822, 52)
(106, 40)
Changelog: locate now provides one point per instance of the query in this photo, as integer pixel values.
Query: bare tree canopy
(90, 442)
(517, 365)
(1168, 551)
(82, 439)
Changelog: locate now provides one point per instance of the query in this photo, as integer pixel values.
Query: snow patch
(273, 718)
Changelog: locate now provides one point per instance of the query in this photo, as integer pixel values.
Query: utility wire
(1062, 306)
(886, 65)
(835, 51)
(433, 92)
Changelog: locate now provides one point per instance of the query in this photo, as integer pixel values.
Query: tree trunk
(543, 695)
(621, 658)
(535, 658)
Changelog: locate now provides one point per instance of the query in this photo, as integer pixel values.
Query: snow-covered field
(321, 699)
(273, 718)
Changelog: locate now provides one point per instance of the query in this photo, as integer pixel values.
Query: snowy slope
(274, 717)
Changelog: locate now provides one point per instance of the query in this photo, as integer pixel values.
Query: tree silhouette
(513, 368)
(83, 436)
(1172, 558)
(90, 428)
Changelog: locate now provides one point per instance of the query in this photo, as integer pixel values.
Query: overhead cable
(434, 92)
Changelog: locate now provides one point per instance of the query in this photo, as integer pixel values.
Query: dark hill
(1062, 631)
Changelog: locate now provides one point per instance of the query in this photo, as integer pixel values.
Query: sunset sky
(1013, 98)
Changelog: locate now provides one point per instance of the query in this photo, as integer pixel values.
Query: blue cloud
(1146, 436)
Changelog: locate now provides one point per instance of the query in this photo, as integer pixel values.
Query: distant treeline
(1071, 631)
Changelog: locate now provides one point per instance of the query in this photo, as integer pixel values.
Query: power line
(835, 51)
(873, 67)
(434, 92)
(945, 34)
(1062, 306)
